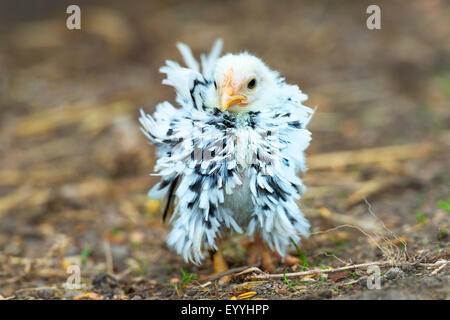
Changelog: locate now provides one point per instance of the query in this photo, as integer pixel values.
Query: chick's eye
(251, 84)
(215, 85)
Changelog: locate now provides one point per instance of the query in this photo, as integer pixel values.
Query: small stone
(45, 293)
(394, 273)
(270, 285)
(72, 294)
(259, 290)
(168, 293)
(104, 282)
(325, 294)
(191, 292)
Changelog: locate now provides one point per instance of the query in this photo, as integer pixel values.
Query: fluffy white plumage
(230, 155)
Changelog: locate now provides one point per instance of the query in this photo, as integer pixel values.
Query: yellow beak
(227, 96)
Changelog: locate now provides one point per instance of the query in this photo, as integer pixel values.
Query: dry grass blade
(442, 267)
(368, 189)
(14, 198)
(89, 118)
(364, 156)
(375, 187)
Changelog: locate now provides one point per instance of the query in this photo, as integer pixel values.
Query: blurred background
(74, 167)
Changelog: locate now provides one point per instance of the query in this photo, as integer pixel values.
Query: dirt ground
(74, 167)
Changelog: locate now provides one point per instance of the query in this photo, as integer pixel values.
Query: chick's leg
(254, 252)
(219, 263)
(266, 259)
(259, 253)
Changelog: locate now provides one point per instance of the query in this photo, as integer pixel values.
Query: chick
(229, 157)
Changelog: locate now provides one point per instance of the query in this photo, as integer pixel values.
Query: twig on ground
(249, 270)
(229, 272)
(310, 272)
(440, 268)
(207, 283)
(124, 273)
(352, 282)
(108, 258)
